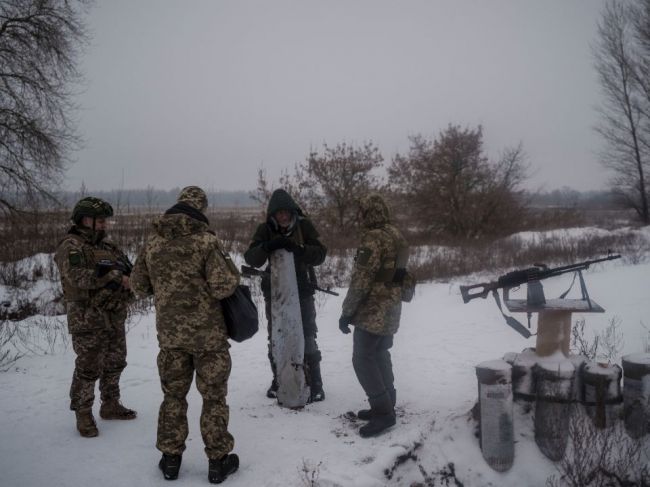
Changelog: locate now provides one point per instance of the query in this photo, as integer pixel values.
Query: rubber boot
(315, 380)
(113, 409)
(170, 466)
(272, 391)
(86, 423)
(383, 416)
(219, 469)
(366, 414)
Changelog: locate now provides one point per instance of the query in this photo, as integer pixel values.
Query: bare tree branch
(40, 41)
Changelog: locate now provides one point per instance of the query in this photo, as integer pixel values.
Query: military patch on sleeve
(75, 258)
(363, 256)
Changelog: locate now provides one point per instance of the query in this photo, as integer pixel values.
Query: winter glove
(275, 244)
(344, 322)
(294, 248)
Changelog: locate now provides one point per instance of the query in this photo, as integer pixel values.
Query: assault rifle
(524, 276)
(104, 266)
(248, 271)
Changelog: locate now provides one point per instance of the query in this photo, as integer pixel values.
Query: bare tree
(40, 41)
(265, 188)
(333, 181)
(623, 64)
(452, 188)
(329, 184)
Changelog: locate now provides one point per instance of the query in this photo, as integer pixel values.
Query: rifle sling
(510, 321)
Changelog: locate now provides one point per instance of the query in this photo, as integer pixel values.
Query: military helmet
(92, 207)
(195, 197)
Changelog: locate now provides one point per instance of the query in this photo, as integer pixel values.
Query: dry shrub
(601, 457)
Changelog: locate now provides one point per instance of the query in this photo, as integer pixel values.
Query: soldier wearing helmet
(95, 281)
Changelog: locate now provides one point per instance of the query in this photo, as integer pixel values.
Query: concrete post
(602, 393)
(495, 403)
(553, 333)
(552, 409)
(636, 394)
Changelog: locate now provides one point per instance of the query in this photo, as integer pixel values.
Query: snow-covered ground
(439, 343)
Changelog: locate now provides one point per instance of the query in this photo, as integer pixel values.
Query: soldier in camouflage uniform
(373, 305)
(94, 277)
(186, 269)
(286, 227)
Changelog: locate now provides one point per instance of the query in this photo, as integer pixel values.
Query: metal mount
(536, 301)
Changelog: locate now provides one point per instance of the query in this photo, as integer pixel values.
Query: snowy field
(439, 343)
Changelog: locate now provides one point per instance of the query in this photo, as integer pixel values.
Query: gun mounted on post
(248, 271)
(535, 300)
(524, 276)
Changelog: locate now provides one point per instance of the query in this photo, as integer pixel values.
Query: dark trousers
(372, 363)
(309, 329)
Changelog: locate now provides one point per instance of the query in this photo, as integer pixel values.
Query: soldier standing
(95, 281)
(373, 305)
(186, 269)
(286, 227)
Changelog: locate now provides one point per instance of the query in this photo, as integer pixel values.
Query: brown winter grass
(433, 256)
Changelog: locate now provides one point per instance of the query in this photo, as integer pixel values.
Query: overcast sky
(205, 92)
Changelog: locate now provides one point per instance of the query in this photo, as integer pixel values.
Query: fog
(206, 92)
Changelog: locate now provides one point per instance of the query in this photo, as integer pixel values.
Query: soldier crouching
(94, 277)
(185, 268)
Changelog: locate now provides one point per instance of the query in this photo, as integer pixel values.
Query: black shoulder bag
(240, 313)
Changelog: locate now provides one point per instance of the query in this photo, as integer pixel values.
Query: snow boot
(382, 416)
(315, 380)
(86, 423)
(366, 414)
(170, 466)
(272, 391)
(113, 409)
(219, 469)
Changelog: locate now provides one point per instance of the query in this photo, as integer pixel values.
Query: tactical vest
(93, 256)
(393, 272)
(394, 261)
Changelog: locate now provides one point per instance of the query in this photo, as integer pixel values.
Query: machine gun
(248, 271)
(535, 300)
(524, 276)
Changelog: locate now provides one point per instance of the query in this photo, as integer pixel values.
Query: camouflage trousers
(176, 369)
(101, 354)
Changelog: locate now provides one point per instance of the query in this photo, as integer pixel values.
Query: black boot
(220, 468)
(272, 391)
(170, 466)
(315, 380)
(366, 414)
(382, 416)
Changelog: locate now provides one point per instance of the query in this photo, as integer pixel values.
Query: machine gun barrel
(522, 276)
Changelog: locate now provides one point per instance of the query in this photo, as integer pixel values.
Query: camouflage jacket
(88, 289)
(373, 301)
(185, 268)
